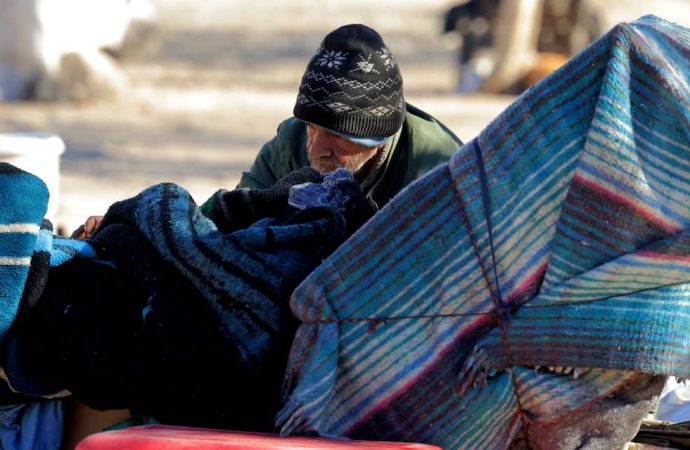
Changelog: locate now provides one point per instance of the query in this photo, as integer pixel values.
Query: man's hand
(88, 229)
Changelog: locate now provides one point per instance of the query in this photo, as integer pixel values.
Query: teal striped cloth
(23, 203)
(566, 242)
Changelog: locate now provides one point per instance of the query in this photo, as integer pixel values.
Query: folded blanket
(558, 237)
(163, 313)
(24, 200)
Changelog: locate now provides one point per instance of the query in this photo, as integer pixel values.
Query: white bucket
(37, 153)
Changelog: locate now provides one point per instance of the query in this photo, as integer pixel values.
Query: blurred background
(125, 94)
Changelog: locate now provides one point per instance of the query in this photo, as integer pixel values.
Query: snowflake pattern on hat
(365, 65)
(388, 60)
(331, 58)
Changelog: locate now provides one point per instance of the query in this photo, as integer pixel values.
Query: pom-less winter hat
(352, 86)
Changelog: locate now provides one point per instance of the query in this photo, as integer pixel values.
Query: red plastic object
(161, 437)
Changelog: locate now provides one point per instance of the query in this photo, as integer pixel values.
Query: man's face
(328, 151)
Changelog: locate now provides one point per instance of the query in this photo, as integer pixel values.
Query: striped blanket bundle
(559, 237)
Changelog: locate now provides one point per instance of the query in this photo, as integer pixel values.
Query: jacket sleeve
(266, 167)
(433, 143)
(277, 158)
(261, 175)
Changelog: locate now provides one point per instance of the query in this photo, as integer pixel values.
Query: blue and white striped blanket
(560, 236)
(27, 245)
(24, 200)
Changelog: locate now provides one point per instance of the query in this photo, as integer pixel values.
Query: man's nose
(321, 145)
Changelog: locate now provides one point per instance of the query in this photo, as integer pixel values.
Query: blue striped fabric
(588, 182)
(23, 201)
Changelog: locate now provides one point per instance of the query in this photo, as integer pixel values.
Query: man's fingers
(88, 229)
(79, 233)
(92, 224)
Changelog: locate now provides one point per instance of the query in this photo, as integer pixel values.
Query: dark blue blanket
(171, 313)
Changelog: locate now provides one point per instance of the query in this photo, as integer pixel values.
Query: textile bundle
(26, 202)
(560, 236)
(168, 312)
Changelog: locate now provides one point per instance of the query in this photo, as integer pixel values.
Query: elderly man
(350, 112)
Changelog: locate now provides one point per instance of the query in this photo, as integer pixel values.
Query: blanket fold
(24, 200)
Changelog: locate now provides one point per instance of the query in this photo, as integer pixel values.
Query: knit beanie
(352, 85)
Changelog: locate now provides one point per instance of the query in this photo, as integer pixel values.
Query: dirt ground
(210, 83)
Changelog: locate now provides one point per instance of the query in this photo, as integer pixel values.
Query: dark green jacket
(422, 144)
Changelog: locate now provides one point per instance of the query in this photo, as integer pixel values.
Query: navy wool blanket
(171, 314)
